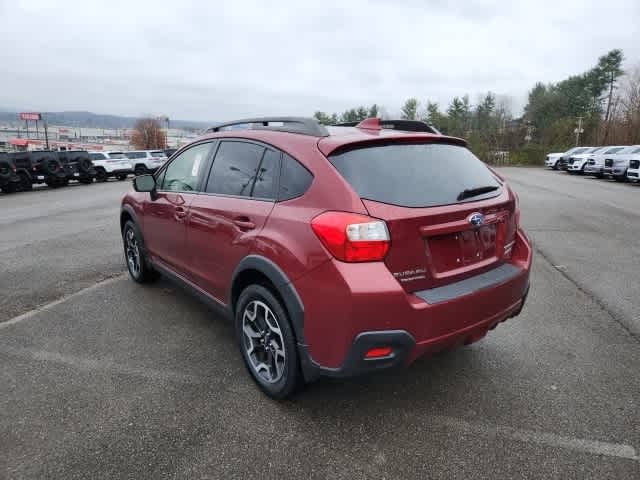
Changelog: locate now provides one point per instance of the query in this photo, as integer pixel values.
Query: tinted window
(183, 172)
(158, 154)
(294, 179)
(97, 156)
(135, 155)
(115, 155)
(235, 168)
(265, 180)
(415, 175)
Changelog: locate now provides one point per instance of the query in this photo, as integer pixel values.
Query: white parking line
(103, 365)
(596, 447)
(35, 311)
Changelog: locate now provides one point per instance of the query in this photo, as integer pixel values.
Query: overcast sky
(218, 60)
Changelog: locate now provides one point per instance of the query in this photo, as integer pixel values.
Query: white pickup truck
(110, 164)
(619, 163)
(596, 162)
(633, 172)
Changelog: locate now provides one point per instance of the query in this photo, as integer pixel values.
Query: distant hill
(97, 120)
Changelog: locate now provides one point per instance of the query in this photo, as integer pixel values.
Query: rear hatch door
(448, 215)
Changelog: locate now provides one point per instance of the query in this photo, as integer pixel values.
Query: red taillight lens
(352, 237)
(379, 352)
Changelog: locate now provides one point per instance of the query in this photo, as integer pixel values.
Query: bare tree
(148, 135)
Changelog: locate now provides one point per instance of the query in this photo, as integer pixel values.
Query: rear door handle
(244, 223)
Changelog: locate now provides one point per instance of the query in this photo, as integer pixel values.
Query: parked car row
(19, 171)
(620, 162)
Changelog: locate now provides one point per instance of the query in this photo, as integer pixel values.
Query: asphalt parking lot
(103, 378)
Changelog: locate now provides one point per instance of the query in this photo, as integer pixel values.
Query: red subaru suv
(334, 250)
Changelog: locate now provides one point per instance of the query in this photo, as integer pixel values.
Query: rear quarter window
(295, 179)
(415, 175)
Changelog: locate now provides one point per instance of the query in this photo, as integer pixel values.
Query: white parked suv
(146, 161)
(110, 164)
(577, 162)
(596, 163)
(553, 159)
(617, 167)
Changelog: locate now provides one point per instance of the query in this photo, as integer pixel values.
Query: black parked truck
(10, 181)
(42, 166)
(77, 166)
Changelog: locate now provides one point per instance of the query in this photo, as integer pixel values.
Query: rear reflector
(352, 237)
(379, 352)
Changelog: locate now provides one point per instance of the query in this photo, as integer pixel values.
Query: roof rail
(302, 125)
(403, 125)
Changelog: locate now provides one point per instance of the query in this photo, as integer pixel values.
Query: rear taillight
(352, 237)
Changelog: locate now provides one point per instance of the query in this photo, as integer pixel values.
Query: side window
(265, 180)
(183, 173)
(294, 179)
(235, 168)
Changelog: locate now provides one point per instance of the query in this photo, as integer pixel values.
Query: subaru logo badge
(476, 219)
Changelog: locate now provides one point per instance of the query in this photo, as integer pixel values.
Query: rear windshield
(416, 175)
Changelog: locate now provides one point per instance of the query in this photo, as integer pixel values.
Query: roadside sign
(30, 116)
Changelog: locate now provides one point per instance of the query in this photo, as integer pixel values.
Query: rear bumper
(368, 308)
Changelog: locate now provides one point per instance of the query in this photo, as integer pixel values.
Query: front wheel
(137, 264)
(101, 175)
(267, 342)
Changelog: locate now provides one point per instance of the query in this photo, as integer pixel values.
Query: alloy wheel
(263, 341)
(133, 253)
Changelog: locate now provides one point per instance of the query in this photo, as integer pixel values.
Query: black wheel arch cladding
(286, 290)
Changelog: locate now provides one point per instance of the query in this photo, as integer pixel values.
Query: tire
(139, 268)
(5, 170)
(121, 177)
(101, 175)
(51, 166)
(140, 170)
(277, 376)
(86, 180)
(8, 188)
(84, 165)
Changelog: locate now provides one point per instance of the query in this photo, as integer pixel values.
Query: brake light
(352, 237)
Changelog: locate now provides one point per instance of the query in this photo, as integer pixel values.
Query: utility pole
(46, 135)
(578, 131)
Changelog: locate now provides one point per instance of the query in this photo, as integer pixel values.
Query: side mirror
(145, 183)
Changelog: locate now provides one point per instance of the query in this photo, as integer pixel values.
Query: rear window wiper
(474, 192)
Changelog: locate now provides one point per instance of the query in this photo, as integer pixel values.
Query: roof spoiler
(403, 125)
(301, 125)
